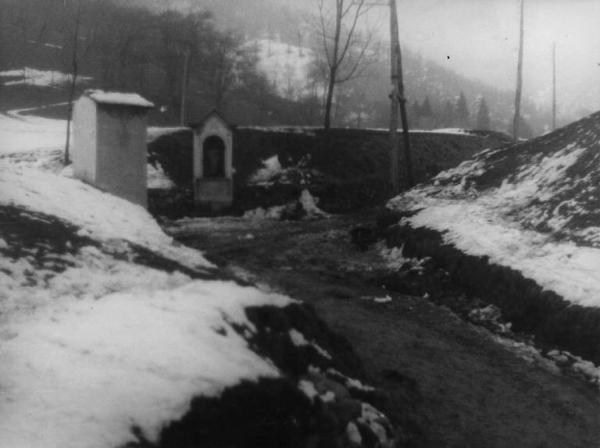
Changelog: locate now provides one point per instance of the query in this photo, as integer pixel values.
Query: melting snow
(499, 221)
(271, 168)
(91, 343)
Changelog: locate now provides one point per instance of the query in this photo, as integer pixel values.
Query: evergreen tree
(483, 115)
(447, 116)
(427, 120)
(462, 112)
(415, 109)
(426, 109)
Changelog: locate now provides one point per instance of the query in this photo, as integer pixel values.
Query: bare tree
(344, 51)
(517, 117)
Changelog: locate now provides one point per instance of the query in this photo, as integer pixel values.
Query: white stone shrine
(213, 162)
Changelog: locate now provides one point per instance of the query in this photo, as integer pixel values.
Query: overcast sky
(481, 39)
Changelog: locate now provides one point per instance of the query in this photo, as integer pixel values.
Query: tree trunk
(517, 116)
(394, 148)
(333, 62)
(553, 86)
(184, 82)
(329, 100)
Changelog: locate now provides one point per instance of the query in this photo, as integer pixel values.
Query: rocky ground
(448, 380)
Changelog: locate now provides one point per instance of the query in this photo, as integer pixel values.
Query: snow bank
(100, 215)
(524, 222)
(79, 373)
(29, 133)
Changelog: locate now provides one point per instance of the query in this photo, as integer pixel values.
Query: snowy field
(40, 78)
(540, 218)
(91, 341)
(29, 133)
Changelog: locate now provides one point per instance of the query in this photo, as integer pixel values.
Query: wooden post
(186, 61)
(394, 149)
(517, 116)
(398, 100)
(553, 86)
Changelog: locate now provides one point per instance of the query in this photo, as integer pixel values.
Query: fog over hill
(476, 39)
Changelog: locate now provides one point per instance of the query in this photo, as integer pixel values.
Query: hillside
(525, 218)
(257, 71)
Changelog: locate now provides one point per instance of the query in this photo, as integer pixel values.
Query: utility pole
(517, 116)
(73, 86)
(398, 101)
(553, 86)
(184, 81)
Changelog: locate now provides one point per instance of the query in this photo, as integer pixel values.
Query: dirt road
(468, 391)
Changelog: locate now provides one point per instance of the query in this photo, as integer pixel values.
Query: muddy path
(463, 389)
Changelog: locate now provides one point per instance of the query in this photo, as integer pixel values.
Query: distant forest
(126, 46)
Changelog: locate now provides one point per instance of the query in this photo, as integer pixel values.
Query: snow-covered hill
(286, 66)
(532, 206)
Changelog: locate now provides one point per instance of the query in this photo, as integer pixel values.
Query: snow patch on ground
(79, 373)
(271, 168)
(299, 340)
(309, 204)
(395, 260)
(41, 78)
(29, 133)
(157, 179)
(100, 215)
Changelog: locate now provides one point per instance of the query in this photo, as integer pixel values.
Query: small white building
(213, 162)
(109, 142)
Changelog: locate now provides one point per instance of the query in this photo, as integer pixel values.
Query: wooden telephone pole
(553, 86)
(517, 117)
(398, 102)
(184, 81)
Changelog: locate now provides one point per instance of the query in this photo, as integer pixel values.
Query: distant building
(109, 143)
(213, 162)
